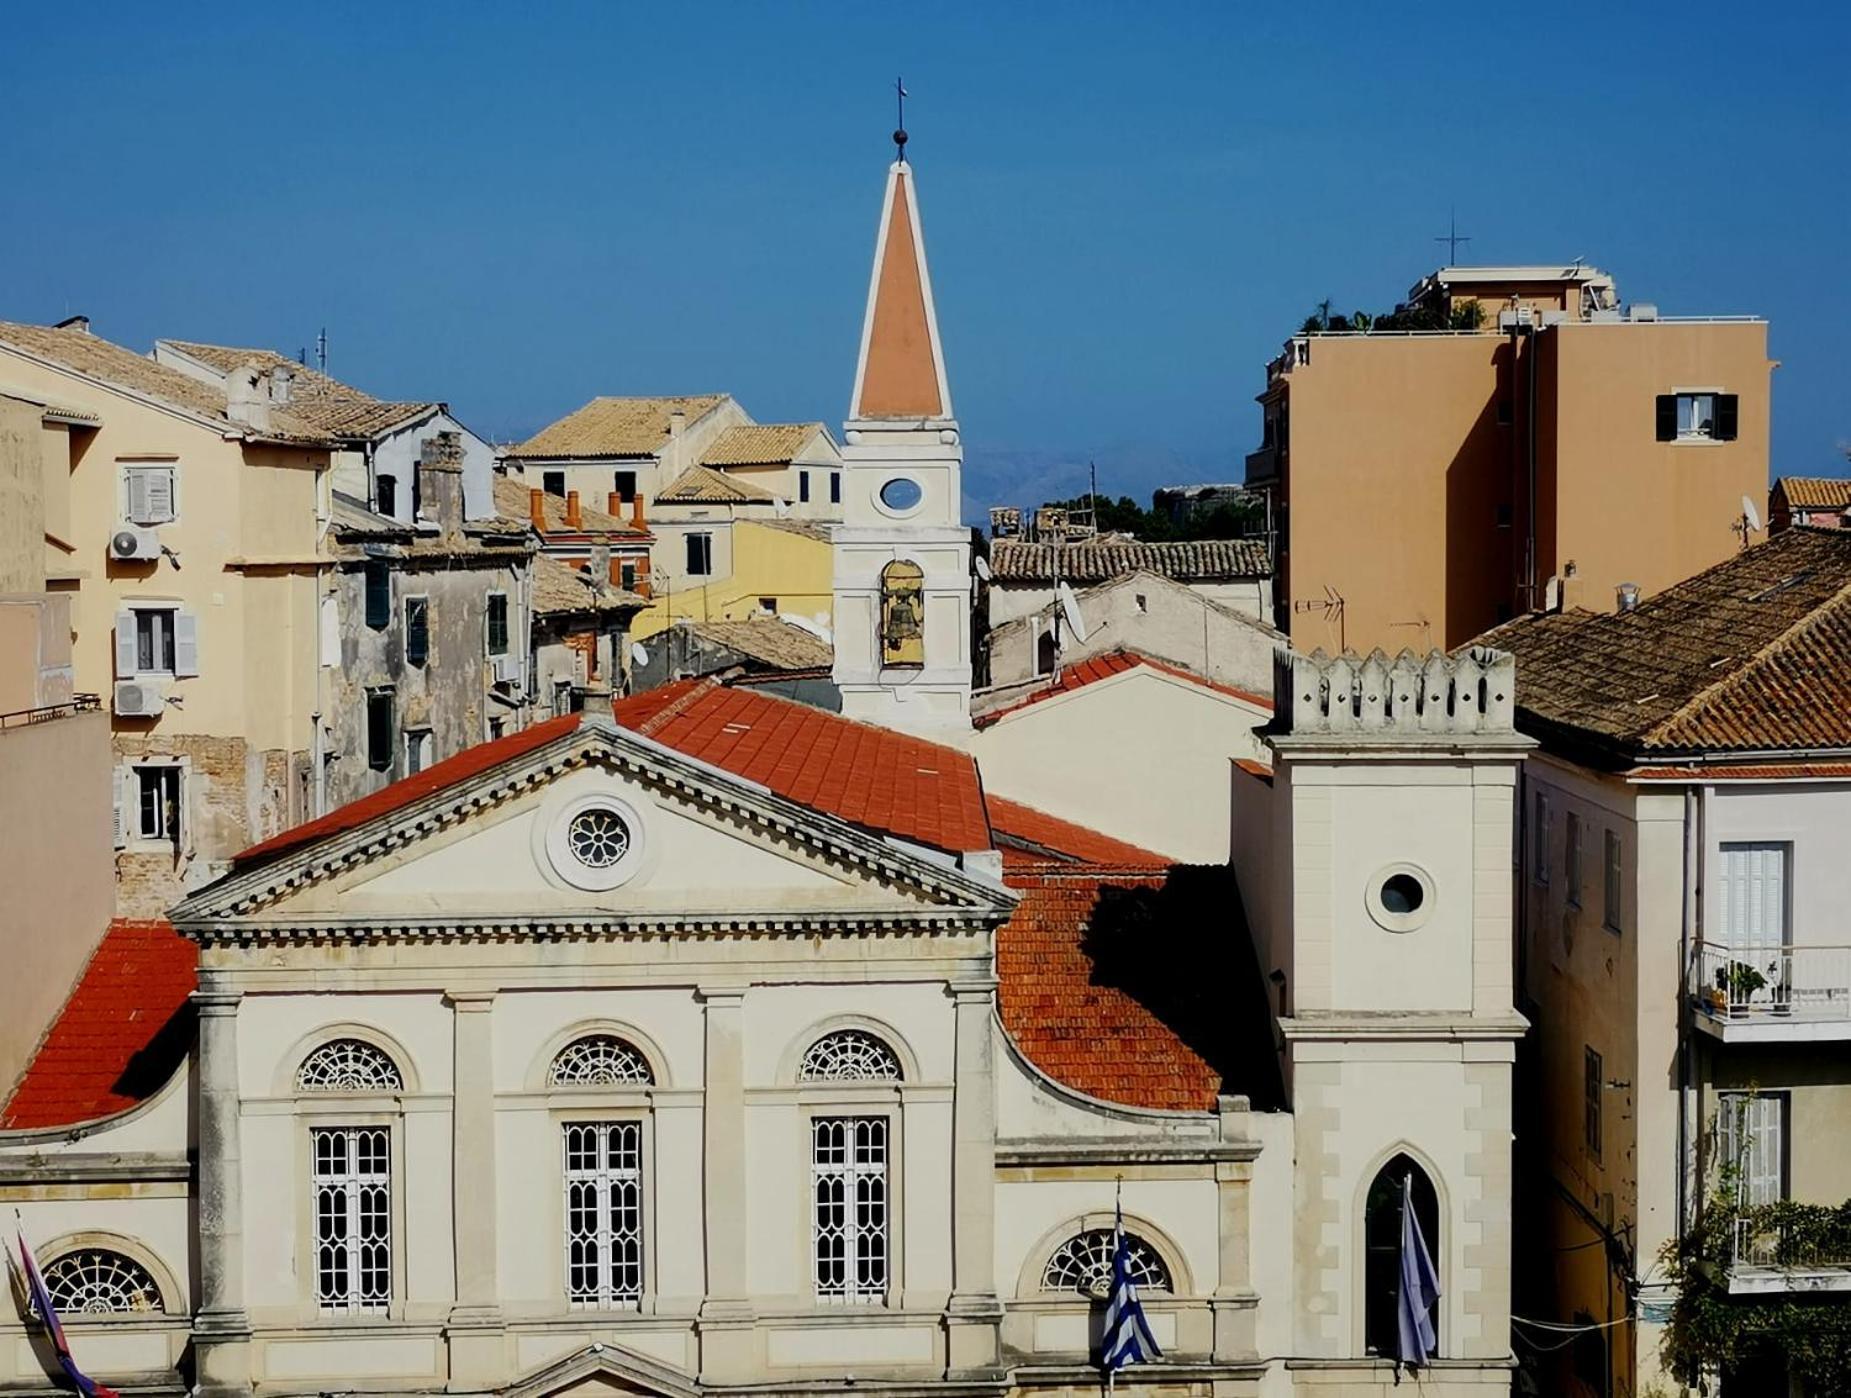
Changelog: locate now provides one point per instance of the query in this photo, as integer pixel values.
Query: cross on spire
(1452, 238)
(899, 130)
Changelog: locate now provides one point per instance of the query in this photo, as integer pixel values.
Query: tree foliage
(1124, 515)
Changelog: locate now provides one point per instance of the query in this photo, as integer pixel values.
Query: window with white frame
(600, 1060)
(349, 1065)
(156, 639)
(418, 750)
(604, 1214)
(1698, 415)
(1612, 893)
(1083, 1264)
(848, 1163)
(848, 1055)
(1539, 854)
(157, 793)
(1751, 1143)
(148, 492)
(99, 1281)
(352, 1184)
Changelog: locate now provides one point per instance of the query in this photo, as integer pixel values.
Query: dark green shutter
(1726, 413)
(417, 630)
(378, 596)
(1667, 417)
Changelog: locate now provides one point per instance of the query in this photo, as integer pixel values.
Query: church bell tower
(902, 555)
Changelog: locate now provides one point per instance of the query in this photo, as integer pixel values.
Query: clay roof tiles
(760, 444)
(1816, 492)
(1103, 667)
(702, 485)
(325, 404)
(560, 589)
(615, 427)
(770, 641)
(1096, 560)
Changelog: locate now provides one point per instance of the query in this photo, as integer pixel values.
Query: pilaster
(1235, 1304)
(478, 1349)
(727, 1342)
(222, 1329)
(974, 1314)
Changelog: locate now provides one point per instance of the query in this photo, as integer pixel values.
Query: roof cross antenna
(899, 128)
(1452, 238)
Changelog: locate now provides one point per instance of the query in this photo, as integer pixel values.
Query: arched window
(849, 1055)
(349, 1065)
(1382, 1224)
(96, 1281)
(1083, 1264)
(599, 1060)
(902, 615)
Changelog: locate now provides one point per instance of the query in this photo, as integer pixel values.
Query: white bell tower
(902, 555)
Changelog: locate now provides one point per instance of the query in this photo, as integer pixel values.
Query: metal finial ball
(899, 137)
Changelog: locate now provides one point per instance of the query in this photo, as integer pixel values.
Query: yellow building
(183, 522)
(1425, 484)
(770, 567)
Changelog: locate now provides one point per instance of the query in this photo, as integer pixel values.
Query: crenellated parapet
(1440, 696)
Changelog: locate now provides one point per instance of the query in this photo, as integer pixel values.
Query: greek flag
(47, 1317)
(1127, 1338)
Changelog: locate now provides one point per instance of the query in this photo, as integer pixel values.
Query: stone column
(1235, 1304)
(476, 1335)
(726, 1317)
(222, 1330)
(974, 1313)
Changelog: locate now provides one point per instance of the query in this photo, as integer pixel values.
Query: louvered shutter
(138, 496)
(158, 489)
(1727, 410)
(186, 644)
(1667, 417)
(124, 804)
(128, 665)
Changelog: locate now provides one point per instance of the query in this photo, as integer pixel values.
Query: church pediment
(599, 826)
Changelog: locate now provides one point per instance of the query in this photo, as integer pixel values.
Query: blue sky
(1127, 207)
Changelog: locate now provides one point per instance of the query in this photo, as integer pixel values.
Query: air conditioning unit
(506, 668)
(140, 698)
(129, 542)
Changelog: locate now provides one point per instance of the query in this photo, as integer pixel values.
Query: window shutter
(127, 664)
(1667, 417)
(378, 596)
(1726, 412)
(124, 803)
(417, 630)
(186, 644)
(138, 495)
(158, 482)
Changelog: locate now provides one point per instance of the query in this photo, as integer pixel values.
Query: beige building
(1685, 867)
(184, 523)
(1427, 484)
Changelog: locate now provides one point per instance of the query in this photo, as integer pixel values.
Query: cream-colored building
(184, 522)
(1426, 484)
(1685, 869)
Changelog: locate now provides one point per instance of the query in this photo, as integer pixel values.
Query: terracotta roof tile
(1032, 838)
(1096, 560)
(324, 404)
(770, 641)
(1815, 492)
(1103, 667)
(121, 1035)
(560, 589)
(702, 485)
(615, 427)
(760, 444)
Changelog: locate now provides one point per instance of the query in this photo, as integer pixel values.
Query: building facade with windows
(1684, 869)
(183, 526)
(1515, 437)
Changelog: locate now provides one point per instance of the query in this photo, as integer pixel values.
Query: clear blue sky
(1127, 207)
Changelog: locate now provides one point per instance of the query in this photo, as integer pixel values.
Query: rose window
(598, 838)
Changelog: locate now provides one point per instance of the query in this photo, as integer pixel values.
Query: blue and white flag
(1420, 1288)
(1127, 1338)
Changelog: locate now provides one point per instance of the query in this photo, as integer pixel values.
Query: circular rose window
(598, 838)
(1400, 897)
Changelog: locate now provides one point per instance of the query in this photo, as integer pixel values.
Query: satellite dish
(983, 567)
(1750, 513)
(637, 654)
(1070, 609)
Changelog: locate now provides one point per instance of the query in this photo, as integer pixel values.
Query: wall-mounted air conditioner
(140, 698)
(506, 668)
(131, 543)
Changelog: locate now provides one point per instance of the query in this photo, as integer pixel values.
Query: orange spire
(902, 368)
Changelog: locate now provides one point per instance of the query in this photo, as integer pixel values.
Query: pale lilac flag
(1420, 1287)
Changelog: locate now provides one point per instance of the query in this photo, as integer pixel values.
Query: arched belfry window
(1083, 1265)
(849, 1055)
(600, 1060)
(349, 1065)
(96, 1281)
(902, 615)
(1382, 1232)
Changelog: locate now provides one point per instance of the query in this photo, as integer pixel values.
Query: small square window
(624, 483)
(553, 483)
(768, 606)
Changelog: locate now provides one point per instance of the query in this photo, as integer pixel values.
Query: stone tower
(902, 557)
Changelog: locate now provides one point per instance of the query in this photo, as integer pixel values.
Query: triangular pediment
(600, 826)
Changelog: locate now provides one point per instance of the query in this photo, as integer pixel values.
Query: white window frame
(1763, 1157)
(1687, 400)
(130, 467)
(615, 1217)
(848, 1176)
(183, 629)
(137, 832)
(346, 1189)
(420, 749)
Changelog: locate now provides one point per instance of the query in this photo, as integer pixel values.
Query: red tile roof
(1747, 772)
(121, 1035)
(1029, 838)
(1107, 664)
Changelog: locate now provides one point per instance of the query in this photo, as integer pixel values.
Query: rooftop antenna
(899, 126)
(321, 350)
(1749, 523)
(1452, 238)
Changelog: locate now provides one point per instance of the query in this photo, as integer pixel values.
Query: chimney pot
(644, 588)
(616, 573)
(677, 419)
(613, 505)
(636, 512)
(574, 519)
(536, 509)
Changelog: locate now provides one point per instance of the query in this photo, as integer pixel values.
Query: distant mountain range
(1028, 476)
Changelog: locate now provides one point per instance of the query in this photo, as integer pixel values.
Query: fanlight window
(849, 1056)
(1083, 1264)
(599, 1060)
(349, 1065)
(95, 1281)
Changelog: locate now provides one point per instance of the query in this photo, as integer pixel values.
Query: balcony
(1262, 466)
(1789, 1247)
(1790, 994)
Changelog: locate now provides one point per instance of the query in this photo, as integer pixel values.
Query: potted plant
(1739, 981)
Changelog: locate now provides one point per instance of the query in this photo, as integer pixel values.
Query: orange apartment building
(1427, 484)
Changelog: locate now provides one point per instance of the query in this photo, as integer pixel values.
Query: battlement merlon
(1439, 701)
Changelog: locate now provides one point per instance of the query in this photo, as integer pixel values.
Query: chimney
(616, 570)
(677, 420)
(440, 481)
(1626, 597)
(81, 324)
(536, 510)
(613, 505)
(596, 699)
(247, 397)
(574, 519)
(282, 377)
(644, 588)
(636, 512)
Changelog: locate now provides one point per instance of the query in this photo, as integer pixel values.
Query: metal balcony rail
(1803, 983)
(1761, 1242)
(78, 704)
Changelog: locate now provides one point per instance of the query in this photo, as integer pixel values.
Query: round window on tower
(1400, 897)
(594, 842)
(900, 495)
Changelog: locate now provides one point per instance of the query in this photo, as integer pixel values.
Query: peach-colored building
(1427, 484)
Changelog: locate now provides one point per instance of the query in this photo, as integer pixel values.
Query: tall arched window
(349, 1065)
(603, 1178)
(350, 1176)
(1083, 1264)
(96, 1281)
(902, 615)
(1382, 1224)
(848, 1171)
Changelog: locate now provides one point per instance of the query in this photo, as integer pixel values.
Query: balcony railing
(25, 718)
(1802, 984)
(1789, 1246)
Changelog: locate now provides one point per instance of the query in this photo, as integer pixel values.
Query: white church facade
(705, 1043)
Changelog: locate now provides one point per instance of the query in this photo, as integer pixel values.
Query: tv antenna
(899, 125)
(1331, 605)
(1749, 523)
(321, 350)
(1452, 237)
